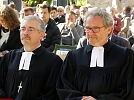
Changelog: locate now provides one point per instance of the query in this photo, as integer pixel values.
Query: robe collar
(106, 46)
(36, 52)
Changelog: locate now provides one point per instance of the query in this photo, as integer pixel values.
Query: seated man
(100, 70)
(53, 35)
(60, 14)
(25, 12)
(70, 31)
(30, 73)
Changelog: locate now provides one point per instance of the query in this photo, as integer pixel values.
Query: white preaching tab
(97, 57)
(25, 60)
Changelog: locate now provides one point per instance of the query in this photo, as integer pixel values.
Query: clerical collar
(35, 48)
(97, 57)
(25, 60)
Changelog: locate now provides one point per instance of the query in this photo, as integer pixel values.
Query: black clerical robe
(38, 83)
(111, 82)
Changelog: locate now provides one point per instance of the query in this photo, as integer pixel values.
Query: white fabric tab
(25, 60)
(97, 57)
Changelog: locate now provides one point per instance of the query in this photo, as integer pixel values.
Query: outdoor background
(33, 3)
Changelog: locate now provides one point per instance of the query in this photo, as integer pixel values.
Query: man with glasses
(30, 73)
(60, 14)
(100, 70)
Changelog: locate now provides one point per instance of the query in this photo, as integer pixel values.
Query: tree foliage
(33, 3)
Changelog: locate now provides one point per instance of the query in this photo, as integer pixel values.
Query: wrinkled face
(44, 14)
(96, 32)
(70, 18)
(53, 14)
(30, 34)
(60, 12)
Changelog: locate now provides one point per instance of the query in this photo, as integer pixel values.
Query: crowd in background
(65, 25)
(100, 69)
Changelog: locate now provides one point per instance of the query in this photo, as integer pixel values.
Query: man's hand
(88, 98)
(3, 53)
(71, 25)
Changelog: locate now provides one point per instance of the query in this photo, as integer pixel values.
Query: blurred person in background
(70, 31)
(60, 14)
(126, 18)
(53, 35)
(67, 9)
(53, 14)
(9, 30)
(83, 11)
(73, 7)
(27, 11)
(12, 5)
(23, 4)
(117, 21)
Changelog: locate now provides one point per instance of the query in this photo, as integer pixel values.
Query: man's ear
(109, 29)
(42, 35)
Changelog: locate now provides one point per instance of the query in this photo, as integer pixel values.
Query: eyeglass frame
(87, 29)
(29, 30)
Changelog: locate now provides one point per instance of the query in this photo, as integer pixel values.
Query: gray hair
(107, 19)
(41, 27)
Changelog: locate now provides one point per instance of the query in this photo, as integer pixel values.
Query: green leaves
(33, 3)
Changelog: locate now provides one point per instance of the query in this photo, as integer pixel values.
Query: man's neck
(46, 21)
(30, 49)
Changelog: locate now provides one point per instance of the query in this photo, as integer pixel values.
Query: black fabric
(40, 80)
(131, 40)
(13, 41)
(114, 39)
(111, 82)
(52, 37)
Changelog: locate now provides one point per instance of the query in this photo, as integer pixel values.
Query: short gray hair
(107, 19)
(41, 27)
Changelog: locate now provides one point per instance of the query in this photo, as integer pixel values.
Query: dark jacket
(13, 41)
(114, 39)
(52, 37)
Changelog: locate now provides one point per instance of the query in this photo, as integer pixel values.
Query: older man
(101, 70)
(30, 73)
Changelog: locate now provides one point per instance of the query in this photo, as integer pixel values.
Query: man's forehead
(43, 9)
(29, 23)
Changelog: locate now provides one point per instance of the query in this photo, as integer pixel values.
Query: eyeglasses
(94, 29)
(29, 30)
(59, 11)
